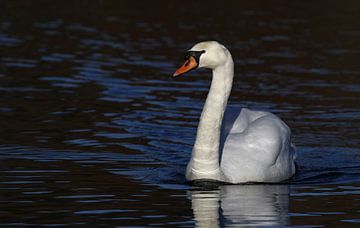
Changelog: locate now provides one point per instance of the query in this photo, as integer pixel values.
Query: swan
(234, 147)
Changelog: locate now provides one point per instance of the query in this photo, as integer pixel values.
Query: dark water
(95, 132)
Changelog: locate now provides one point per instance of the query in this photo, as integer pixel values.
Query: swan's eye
(195, 54)
(187, 55)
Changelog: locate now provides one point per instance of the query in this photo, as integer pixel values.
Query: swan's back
(256, 147)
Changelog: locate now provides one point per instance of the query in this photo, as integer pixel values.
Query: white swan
(256, 146)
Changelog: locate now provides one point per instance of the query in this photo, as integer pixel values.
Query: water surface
(94, 130)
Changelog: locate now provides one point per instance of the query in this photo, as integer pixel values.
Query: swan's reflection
(254, 205)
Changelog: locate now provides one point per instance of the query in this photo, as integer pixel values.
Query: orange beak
(189, 65)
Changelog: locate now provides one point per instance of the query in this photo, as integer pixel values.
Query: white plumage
(233, 146)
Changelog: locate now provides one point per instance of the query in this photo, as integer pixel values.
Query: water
(94, 130)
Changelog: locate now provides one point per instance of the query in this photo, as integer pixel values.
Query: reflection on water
(93, 130)
(255, 205)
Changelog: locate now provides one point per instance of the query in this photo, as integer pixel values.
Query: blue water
(95, 131)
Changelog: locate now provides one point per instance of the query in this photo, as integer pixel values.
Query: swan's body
(235, 147)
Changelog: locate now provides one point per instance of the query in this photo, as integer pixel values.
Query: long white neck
(205, 155)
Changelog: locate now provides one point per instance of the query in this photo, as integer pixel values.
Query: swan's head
(207, 54)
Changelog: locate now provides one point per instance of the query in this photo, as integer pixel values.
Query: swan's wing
(257, 148)
(236, 120)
